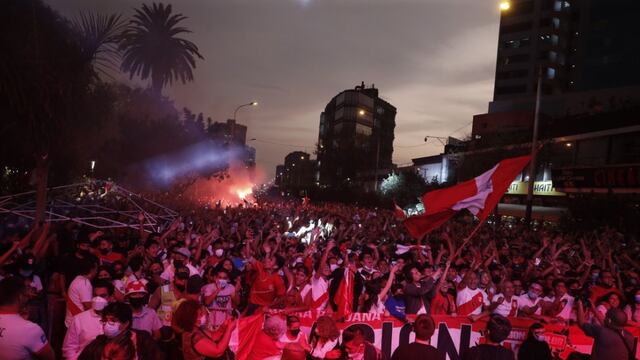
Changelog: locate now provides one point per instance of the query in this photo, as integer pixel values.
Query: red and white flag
(478, 195)
(344, 296)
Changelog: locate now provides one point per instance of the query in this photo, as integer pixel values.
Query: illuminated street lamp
(253, 103)
(505, 5)
(361, 112)
(93, 165)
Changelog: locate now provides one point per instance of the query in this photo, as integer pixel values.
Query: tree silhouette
(153, 50)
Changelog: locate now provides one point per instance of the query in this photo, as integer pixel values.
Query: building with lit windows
(297, 174)
(355, 141)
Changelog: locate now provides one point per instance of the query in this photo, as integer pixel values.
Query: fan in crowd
(74, 292)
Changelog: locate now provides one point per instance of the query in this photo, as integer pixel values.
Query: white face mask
(111, 329)
(539, 337)
(219, 252)
(98, 303)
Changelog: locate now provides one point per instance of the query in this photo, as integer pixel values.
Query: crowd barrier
(453, 335)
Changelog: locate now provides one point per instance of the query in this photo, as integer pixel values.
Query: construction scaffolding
(95, 203)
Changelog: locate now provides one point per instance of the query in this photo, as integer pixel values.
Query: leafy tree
(153, 50)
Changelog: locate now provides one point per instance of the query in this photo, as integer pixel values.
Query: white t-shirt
(506, 306)
(84, 328)
(525, 301)
(567, 310)
(465, 295)
(223, 300)
(79, 291)
(19, 338)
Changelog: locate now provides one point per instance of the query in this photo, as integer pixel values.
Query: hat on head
(183, 251)
(135, 287)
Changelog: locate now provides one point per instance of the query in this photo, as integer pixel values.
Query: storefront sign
(618, 177)
(543, 188)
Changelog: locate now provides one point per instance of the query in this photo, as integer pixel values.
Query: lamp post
(235, 112)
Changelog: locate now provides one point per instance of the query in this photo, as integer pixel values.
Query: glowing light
(243, 193)
(505, 5)
(361, 112)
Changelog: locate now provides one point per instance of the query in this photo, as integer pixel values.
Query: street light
(505, 5)
(253, 103)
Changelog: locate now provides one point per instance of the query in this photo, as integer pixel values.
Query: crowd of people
(74, 292)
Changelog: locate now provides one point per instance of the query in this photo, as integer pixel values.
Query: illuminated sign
(543, 188)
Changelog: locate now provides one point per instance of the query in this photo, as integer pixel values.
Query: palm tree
(99, 36)
(152, 49)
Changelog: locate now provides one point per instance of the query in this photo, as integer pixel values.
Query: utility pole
(534, 152)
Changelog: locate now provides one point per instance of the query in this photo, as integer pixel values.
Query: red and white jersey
(319, 291)
(567, 301)
(525, 301)
(508, 307)
(469, 302)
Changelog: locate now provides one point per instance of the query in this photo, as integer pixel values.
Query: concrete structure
(355, 141)
(298, 172)
(228, 132)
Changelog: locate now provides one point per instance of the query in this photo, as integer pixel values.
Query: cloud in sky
(432, 59)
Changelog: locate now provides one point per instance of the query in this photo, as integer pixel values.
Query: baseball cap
(135, 287)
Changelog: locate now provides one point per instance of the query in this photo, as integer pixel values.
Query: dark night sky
(432, 59)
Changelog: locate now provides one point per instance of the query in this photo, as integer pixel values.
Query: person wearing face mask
(20, 339)
(116, 324)
(294, 334)
(166, 296)
(198, 341)
(633, 310)
(218, 254)
(535, 347)
(181, 258)
(87, 325)
(530, 304)
(219, 297)
(144, 318)
(105, 252)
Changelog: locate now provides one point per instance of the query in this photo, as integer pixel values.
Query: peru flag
(479, 195)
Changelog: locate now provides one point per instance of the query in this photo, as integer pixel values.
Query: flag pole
(468, 239)
(534, 151)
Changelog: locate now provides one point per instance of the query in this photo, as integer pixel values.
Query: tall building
(297, 173)
(585, 49)
(232, 134)
(355, 142)
(228, 132)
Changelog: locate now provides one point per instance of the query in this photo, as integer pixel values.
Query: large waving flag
(478, 195)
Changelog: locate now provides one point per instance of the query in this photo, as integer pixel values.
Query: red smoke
(231, 191)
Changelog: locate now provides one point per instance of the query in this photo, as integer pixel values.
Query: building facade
(298, 172)
(355, 141)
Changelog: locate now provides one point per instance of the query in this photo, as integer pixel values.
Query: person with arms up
(611, 341)
(424, 327)
(418, 292)
(498, 329)
(19, 339)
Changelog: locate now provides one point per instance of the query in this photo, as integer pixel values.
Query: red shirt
(110, 258)
(263, 347)
(265, 287)
(441, 305)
